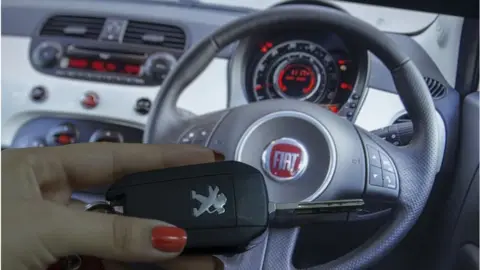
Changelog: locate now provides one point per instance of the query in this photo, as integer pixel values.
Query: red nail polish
(218, 156)
(169, 239)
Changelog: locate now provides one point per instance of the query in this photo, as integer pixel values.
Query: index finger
(93, 164)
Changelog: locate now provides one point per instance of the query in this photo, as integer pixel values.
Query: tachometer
(296, 69)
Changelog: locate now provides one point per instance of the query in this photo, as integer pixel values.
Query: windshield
(386, 19)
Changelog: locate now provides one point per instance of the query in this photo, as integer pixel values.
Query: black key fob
(222, 205)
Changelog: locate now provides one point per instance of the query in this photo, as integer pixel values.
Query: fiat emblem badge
(285, 159)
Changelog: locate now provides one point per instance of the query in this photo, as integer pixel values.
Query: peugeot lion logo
(214, 203)
(285, 159)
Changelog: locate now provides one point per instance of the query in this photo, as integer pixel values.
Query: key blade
(294, 214)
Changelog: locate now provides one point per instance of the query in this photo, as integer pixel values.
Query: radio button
(143, 106)
(159, 65)
(90, 100)
(38, 94)
(47, 54)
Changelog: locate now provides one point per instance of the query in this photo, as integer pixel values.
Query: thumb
(116, 237)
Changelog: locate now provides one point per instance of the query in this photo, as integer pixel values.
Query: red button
(333, 108)
(90, 100)
(64, 139)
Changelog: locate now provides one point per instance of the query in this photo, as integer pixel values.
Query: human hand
(41, 225)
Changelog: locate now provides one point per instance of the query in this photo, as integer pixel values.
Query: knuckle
(122, 234)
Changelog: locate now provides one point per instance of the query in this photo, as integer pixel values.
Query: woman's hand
(39, 226)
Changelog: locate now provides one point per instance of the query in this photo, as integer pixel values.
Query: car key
(222, 206)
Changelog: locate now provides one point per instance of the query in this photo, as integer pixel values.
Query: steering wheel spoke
(382, 184)
(199, 129)
(190, 129)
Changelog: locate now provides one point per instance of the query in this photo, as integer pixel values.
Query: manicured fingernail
(169, 239)
(218, 156)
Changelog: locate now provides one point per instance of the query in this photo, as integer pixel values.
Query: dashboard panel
(221, 85)
(55, 131)
(226, 82)
(310, 65)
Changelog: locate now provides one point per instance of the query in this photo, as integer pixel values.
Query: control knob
(47, 54)
(158, 65)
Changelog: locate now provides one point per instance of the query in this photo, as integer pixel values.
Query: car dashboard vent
(437, 89)
(73, 26)
(155, 34)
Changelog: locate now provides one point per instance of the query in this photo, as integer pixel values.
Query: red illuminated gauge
(296, 69)
(296, 79)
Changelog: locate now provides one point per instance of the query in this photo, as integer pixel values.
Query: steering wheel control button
(375, 176)
(389, 180)
(387, 164)
(373, 156)
(106, 136)
(222, 206)
(202, 134)
(185, 140)
(197, 135)
(38, 94)
(188, 137)
(285, 159)
(62, 135)
(90, 100)
(143, 106)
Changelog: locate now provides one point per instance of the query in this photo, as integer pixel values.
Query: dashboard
(309, 65)
(97, 70)
(77, 71)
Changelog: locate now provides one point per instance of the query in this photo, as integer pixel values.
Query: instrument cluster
(316, 67)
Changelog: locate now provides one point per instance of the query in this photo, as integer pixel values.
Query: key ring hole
(102, 207)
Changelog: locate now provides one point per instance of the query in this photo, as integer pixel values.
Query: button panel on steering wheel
(382, 181)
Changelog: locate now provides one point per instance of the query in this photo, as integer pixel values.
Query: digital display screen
(104, 66)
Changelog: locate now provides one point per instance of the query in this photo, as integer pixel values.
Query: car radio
(102, 64)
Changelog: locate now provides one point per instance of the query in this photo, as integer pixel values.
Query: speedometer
(296, 69)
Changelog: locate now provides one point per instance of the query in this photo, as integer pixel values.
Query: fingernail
(218, 156)
(169, 239)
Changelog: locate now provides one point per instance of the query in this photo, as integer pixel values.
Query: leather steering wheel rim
(417, 163)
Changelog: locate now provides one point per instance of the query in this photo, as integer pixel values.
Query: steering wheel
(306, 152)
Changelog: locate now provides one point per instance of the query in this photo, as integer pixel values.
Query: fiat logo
(285, 159)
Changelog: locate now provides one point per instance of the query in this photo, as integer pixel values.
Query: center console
(52, 131)
(110, 50)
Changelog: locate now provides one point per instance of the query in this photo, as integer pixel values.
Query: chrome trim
(331, 145)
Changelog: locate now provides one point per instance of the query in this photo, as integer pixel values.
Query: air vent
(154, 34)
(73, 26)
(437, 89)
